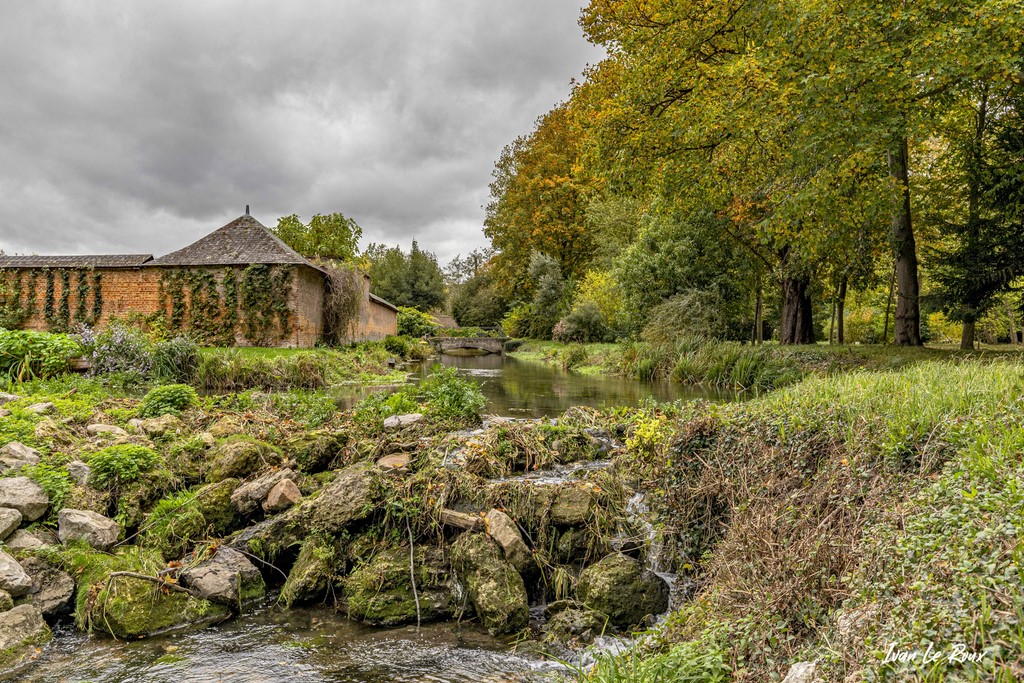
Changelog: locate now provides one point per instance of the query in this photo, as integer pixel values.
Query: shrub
(573, 356)
(115, 466)
(381, 404)
(399, 346)
(413, 323)
(516, 322)
(54, 479)
(169, 398)
(175, 360)
(25, 354)
(583, 324)
(693, 313)
(449, 395)
(124, 350)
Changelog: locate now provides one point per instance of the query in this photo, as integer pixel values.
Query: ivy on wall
(254, 301)
(19, 297)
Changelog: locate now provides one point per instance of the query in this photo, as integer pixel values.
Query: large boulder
(269, 538)
(347, 499)
(379, 591)
(52, 589)
(504, 531)
(494, 587)
(247, 497)
(13, 577)
(572, 504)
(622, 588)
(317, 568)
(133, 607)
(23, 539)
(25, 496)
(15, 455)
(317, 450)
(574, 626)
(22, 630)
(242, 457)
(226, 577)
(10, 520)
(84, 525)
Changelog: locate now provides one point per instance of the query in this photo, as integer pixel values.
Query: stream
(318, 644)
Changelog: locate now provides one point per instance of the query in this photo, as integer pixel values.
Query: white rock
(16, 454)
(7, 398)
(97, 429)
(400, 421)
(801, 672)
(10, 520)
(78, 471)
(13, 578)
(25, 496)
(41, 408)
(98, 531)
(23, 540)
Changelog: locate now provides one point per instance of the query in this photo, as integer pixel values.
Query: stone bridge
(488, 344)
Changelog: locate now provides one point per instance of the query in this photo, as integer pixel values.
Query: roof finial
(246, 209)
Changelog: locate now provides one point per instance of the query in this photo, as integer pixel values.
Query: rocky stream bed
(528, 528)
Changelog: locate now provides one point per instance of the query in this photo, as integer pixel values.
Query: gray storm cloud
(139, 126)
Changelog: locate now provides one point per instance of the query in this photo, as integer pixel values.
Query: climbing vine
(82, 294)
(48, 302)
(64, 309)
(256, 301)
(97, 297)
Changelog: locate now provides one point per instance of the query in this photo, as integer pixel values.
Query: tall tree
(333, 236)
(414, 279)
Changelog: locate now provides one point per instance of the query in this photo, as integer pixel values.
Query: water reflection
(531, 389)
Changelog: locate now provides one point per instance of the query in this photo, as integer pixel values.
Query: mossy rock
(133, 608)
(622, 588)
(319, 566)
(266, 540)
(575, 626)
(379, 591)
(87, 498)
(127, 607)
(241, 457)
(214, 503)
(317, 450)
(494, 587)
(22, 630)
(351, 497)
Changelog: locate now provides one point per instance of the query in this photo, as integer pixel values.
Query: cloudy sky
(137, 127)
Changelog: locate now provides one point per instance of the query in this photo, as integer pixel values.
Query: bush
(693, 313)
(516, 322)
(115, 466)
(573, 356)
(124, 350)
(175, 360)
(399, 346)
(381, 404)
(169, 398)
(54, 479)
(583, 324)
(413, 323)
(449, 395)
(25, 355)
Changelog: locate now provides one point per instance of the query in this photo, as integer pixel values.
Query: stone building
(239, 285)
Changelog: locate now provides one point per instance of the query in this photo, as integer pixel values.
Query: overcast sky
(137, 127)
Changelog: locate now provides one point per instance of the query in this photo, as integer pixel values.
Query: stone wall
(376, 320)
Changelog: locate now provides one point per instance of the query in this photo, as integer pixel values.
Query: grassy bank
(739, 366)
(839, 518)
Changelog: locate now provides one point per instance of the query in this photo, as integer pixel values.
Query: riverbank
(823, 522)
(730, 365)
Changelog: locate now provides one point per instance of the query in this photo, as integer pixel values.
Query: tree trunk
(1013, 324)
(840, 311)
(967, 336)
(888, 306)
(907, 329)
(758, 336)
(832, 323)
(797, 326)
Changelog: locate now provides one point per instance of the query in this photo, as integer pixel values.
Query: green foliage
(479, 301)
(264, 296)
(54, 479)
(167, 399)
(308, 408)
(332, 237)
(584, 324)
(400, 345)
(382, 404)
(415, 323)
(123, 350)
(690, 662)
(573, 356)
(412, 280)
(175, 360)
(114, 467)
(25, 355)
(450, 395)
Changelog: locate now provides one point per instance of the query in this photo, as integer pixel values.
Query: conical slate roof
(241, 242)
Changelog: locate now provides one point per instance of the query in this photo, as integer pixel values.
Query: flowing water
(318, 644)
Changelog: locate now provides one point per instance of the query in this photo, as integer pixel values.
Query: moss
(241, 456)
(316, 451)
(379, 591)
(214, 503)
(317, 569)
(181, 519)
(493, 585)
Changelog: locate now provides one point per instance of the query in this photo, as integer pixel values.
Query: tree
(537, 203)
(332, 237)
(413, 280)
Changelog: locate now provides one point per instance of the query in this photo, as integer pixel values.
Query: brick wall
(137, 290)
